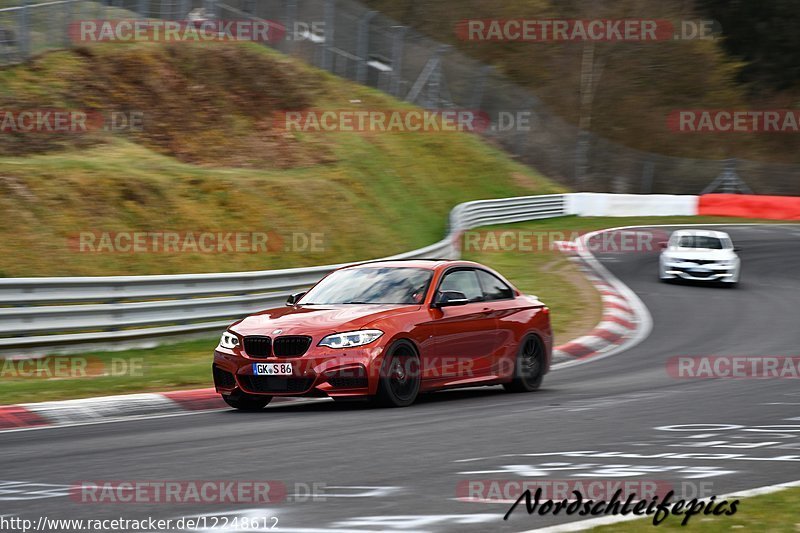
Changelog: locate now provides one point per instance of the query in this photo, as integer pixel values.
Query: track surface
(411, 460)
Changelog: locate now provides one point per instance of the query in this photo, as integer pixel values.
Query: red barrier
(750, 206)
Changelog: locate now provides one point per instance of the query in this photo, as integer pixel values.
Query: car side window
(494, 288)
(465, 281)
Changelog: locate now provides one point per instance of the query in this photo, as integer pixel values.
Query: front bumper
(711, 273)
(320, 372)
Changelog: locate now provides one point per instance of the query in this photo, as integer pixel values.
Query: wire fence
(351, 41)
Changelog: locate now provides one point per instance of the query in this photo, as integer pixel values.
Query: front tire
(246, 402)
(529, 366)
(400, 377)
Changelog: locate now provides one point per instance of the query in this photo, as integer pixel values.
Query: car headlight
(351, 339)
(229, 341)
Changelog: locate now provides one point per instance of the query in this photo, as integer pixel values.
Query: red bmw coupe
(387, 331)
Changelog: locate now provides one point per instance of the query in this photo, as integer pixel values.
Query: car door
(465, 334)
(500, 297)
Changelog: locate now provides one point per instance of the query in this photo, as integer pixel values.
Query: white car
(700, 255)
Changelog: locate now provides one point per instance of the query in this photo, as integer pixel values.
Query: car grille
(275, 384)
(258, 346)
(702, 261)
(702, 274)
(223, 379)
(291, 346)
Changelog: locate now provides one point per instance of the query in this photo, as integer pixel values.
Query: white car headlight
(229, 341)
(351, 339)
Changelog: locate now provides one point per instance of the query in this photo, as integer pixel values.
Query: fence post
(211, 8)
(23, 30)
(330, 20)
(362, 46)
(435, 81)
(289, 27)
(397, 59)
(65, 38)
(479, 87)
(729, 181)
(582, 157)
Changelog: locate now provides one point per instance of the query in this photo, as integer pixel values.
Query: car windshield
(698, 241)
(371, 286)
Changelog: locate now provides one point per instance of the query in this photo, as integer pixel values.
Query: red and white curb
(618, 323)
(626, 322)
(113, 408)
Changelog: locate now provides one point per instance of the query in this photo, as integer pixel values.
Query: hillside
(208, 159)
(636, 84)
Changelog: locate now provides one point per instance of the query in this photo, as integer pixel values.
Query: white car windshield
(702, 242)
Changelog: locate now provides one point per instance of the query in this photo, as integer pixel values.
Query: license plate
(272, 369)
(700, 270)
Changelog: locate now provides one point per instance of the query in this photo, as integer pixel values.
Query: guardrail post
(362, 46)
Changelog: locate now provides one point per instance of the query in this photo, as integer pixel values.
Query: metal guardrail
(45, 314)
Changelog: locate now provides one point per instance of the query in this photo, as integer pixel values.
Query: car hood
(316, 319)
(692, 253)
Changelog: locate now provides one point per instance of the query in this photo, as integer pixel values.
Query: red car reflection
(387, 331)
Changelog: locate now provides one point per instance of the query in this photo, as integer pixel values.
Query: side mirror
(663, 245)
(737, 249)
(294, 298)
(450, 299)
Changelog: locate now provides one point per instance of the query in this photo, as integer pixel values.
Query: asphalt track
(398, 470)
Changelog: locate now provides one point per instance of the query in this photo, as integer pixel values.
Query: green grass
(772, 513)
(575, 310)
(223, 168)
(186, 365)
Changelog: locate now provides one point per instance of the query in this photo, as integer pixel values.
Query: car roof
(701, 233)
(430, 264)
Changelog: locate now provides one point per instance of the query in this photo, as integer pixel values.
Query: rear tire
(529, 366)
(400, 377)
(246, 402)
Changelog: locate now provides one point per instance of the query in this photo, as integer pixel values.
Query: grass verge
(774, 513)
